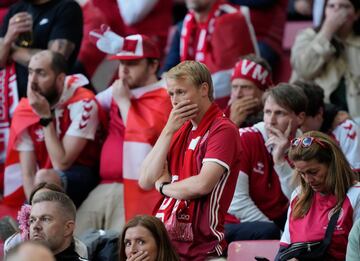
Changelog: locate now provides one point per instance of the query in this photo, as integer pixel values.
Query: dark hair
(44, 185)
(58, 63)
(257, 59)
(166, 251)
(62, 199)
(315, 96)
(340, 176)
(288, 96)
(356, 27)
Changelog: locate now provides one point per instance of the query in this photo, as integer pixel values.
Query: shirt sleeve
(24, 142)
(242, 205)
(84, 119)
(104, 98)
(348, 136)
(217, 152)
(69, 24)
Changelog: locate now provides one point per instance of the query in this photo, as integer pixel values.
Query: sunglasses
(306, 142)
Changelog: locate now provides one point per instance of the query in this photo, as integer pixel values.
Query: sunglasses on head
(306, 142)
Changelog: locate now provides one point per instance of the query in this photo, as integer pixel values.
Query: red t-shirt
(220, 146)
(264, 185)
(312, 227)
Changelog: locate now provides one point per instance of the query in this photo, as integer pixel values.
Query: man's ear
(300, 118)
(60, 80)
(204, 89)
(69, 228)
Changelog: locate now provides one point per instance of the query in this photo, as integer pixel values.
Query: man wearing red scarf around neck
(194, 165)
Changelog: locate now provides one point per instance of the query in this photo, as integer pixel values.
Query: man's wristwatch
(161, 187)
(45, 121)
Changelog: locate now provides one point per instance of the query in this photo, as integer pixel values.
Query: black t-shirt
(56, 19)
(69, 254)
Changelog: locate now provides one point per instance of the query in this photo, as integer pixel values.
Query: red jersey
(312, 227)
(264, 185)
(220, 144)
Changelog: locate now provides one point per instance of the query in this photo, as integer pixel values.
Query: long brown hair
(340, 176)
(166, 251)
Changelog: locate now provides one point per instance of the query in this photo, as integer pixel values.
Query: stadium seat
(247, 250)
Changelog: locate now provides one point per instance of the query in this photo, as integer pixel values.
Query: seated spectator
(330, 55)
(269, 35)
(145, 238)
(326, 185)
(331, 120)
(24, 226)
(52, 221)
(138, 106)
(216, 34)
(250, 78)
(54, 25)
(353, 247)
(55, 130)
(30, 251)
(264, 186)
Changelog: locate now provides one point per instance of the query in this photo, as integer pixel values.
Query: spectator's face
(334, 7)
(139, 239)
(43, 79)
(278, 117)
(313, 173)
(48, 224)
(136, 72)
(198, 5)
(244, 88)
(181, 90)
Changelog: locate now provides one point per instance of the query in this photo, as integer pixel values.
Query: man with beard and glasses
(52, 222)
(53, 136)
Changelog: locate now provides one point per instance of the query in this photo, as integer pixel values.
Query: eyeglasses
(306, 142)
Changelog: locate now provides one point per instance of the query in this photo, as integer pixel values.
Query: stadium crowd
(127, 134)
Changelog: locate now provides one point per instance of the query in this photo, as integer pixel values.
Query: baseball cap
(137, 46)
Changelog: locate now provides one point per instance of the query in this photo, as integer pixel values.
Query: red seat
(247, 250)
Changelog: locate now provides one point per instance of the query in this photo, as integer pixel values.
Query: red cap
(137, 46)
(250, 70)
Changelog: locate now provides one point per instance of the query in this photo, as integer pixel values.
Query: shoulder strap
(331, 227)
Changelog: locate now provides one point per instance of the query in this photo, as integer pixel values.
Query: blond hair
(195, 72)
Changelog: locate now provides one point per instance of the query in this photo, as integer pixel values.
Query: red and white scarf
(177, 215)
(188, 50)
(8, 101)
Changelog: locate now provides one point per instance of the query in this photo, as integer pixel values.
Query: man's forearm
(55, 148)
(189, 188)
(28, 170)
(153, 165)
(23, 55)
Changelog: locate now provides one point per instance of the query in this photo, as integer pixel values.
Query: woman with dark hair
(145, 238)
(330, 55)
(326, 185)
